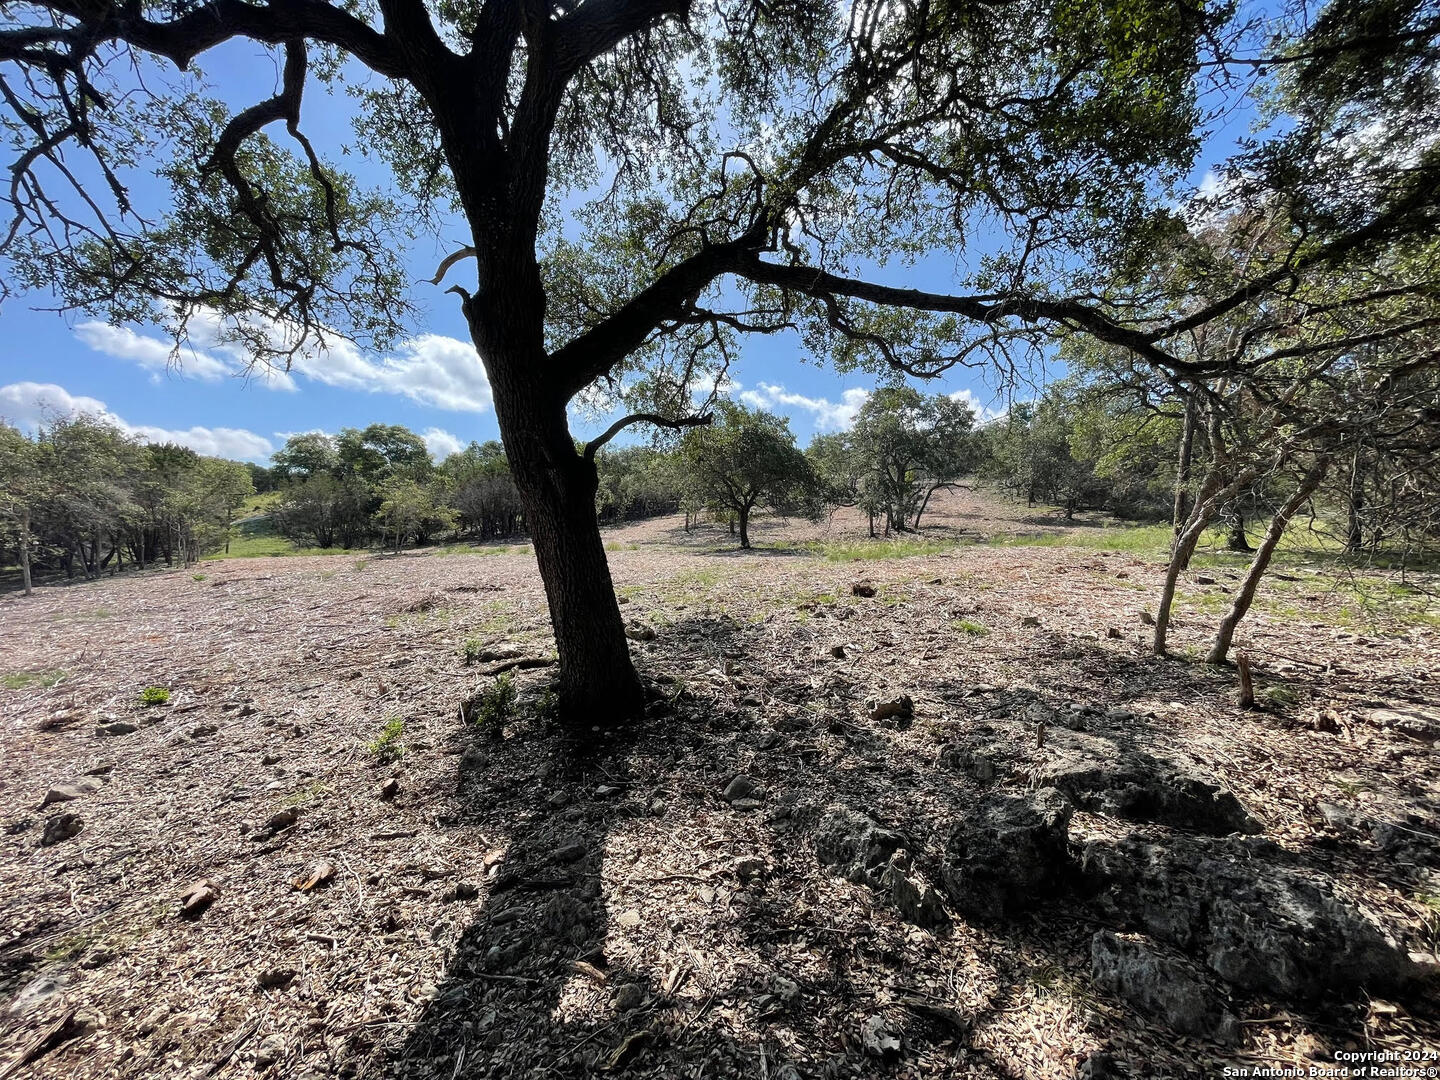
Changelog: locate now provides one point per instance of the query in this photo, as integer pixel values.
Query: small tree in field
(748, 458)
(411, 507)
(909, 446)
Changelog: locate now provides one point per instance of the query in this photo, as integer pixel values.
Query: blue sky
(432, 381)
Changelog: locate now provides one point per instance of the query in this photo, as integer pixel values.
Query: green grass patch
(27, 680)
(483, 549)
(970, 626)
(389, 745)
(258, 504)
(256, 537)
(1149, 540)
(154, 695)
(898, 547)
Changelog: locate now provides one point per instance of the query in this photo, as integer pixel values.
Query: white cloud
(203, 356)
(982, 412)
(441, 443)
(430, 369)
(29, 404)
(829, 415)
(237, 443)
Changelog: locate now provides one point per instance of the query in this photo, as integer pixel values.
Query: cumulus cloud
(441, 443)
(204, 356)
(982, 412)
(29, 404)
(828, 415)
(431, 369)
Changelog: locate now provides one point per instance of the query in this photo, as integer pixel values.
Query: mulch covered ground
(516, 910)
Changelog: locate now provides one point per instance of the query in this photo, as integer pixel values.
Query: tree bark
(1207, 501)
(597, 682)
(1181, 510)
(1246, 596)
(1235, 539)
(1355, 526)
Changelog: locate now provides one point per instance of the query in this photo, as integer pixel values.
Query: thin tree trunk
(1235, 539)
(1246, 596)
(25, 549)
(745, 526)
(926, 502)
(1181, 510)
(1207, 501)
(1355, 527)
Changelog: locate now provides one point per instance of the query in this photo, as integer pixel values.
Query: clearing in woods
(513, 912)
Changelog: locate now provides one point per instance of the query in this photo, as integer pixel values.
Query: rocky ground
(931, 816)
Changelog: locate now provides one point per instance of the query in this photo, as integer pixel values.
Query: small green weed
(24, 680)
(489, 708)
(971, 627)
(154, 695)
(1280, 695)
(472, 649)
(197, 577)
(389, 745)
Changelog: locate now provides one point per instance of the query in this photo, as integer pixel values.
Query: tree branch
(594, 445)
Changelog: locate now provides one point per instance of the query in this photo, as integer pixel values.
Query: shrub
(491, 707)
(154, 695)
(389, 745)
(472, 649)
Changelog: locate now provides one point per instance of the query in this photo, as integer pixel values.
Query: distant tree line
(81, 496)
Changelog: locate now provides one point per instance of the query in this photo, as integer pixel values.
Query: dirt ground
(517, 911)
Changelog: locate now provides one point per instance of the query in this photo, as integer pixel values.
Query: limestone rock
(69, 790)
(119, 727)
(36, 994)
(1098, 775)
(855, 846)
(1263, 928)
(915, 899)
(877, 1038)
(741, 787)
(1162, 986)
(270, 1051)
(60, 828)
(1007, 853)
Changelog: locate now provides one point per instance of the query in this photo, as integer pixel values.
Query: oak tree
(640, 182)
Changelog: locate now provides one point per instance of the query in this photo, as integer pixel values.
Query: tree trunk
(745, 526)
(1235, 539)
(597, 683)
(1246, 596)
(1355, 526)
(1181, 511)
(25, 549)
(1206, 503)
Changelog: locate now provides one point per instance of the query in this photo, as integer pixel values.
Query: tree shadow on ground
(640, 926)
